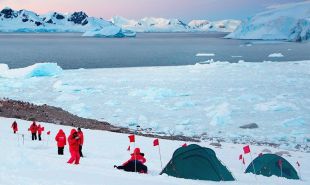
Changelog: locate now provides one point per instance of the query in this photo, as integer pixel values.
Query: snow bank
(36, 70)
(37, 163)
(283, 22)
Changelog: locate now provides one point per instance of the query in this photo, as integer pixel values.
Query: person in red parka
(74, 143)
(81, 136)
(40, 130)
(14, 127)
(61, 141)
(135, 163)
(33, 129)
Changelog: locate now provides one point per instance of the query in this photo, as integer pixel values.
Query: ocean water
(71, 51)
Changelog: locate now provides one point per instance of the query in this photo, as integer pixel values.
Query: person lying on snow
(135, 163)
(74, 145)
(14, 127)
(61, 141)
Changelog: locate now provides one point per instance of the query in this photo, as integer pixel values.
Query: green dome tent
(268, 165)
(196, 162)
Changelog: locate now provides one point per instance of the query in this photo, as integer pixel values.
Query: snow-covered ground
(213, 100)
(37, 163)
(282, 22)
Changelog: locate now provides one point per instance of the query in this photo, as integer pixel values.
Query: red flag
(260, 154)
(48, 133)
(155, 142)
(298, 164)
(132, 138)
(246, 149)
(243, 161)
(184, 145)
(240, 157)
(280, 163)
(128, 149)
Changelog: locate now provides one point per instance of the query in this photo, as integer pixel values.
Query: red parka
(136, 155)
(81, 136)
(40, 129)
(61, 138)
(33, 128)
(74, 141)
(14, 126)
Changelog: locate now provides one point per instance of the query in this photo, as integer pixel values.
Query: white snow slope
(151, 24)
(37, 163)
(194, 100)
(219, 26)
(284, 22)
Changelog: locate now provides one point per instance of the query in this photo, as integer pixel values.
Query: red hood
(72, 131)
(136, 151)
(61, 131)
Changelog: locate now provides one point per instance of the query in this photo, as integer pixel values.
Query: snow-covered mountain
(283, 22)
(220, 26)
(151, 24)
(27, 21)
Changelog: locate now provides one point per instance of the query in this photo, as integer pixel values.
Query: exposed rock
(50, 114)
(216, 144)
(249, 126)
(78, 17)
(266, 150)
(280, 153)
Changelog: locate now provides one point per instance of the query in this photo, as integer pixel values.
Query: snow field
(37, 163)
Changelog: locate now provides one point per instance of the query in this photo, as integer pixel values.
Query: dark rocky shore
(45, 113)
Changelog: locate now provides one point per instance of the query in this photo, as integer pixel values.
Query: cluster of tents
(196, 162)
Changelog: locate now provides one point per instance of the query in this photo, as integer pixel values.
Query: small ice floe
(206, 62)
(272, 55)
(237, 56)
(205, 54)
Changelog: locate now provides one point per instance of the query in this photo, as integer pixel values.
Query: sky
(185, 10)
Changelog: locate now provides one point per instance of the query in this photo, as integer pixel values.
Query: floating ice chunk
(273, 55)
(205, 54)
(220, 114)
(236, 56)
(295, 122)
(110, 31)
(36, 70)
(275, 106)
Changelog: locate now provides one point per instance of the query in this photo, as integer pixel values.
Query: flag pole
(253, 166)
(298, 167)
(134, 153)
(161, 163)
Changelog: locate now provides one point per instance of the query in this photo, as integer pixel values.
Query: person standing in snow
(33, 129)
(81, 136)
(61, 141)
(135, 163)
(14, 127)
(40, 130)
(74, 143)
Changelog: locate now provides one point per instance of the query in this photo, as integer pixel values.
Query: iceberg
(110, 31)
(218, 26)
(36, 70)
(288, 22)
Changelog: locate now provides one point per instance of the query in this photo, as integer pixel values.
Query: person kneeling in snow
(135, 163)
(61, 141)
(74, 144)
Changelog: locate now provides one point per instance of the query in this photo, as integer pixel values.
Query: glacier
(212, 99)
(288, 22)
(28, 21)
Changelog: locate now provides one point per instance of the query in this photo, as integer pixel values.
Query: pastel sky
(183, 9)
